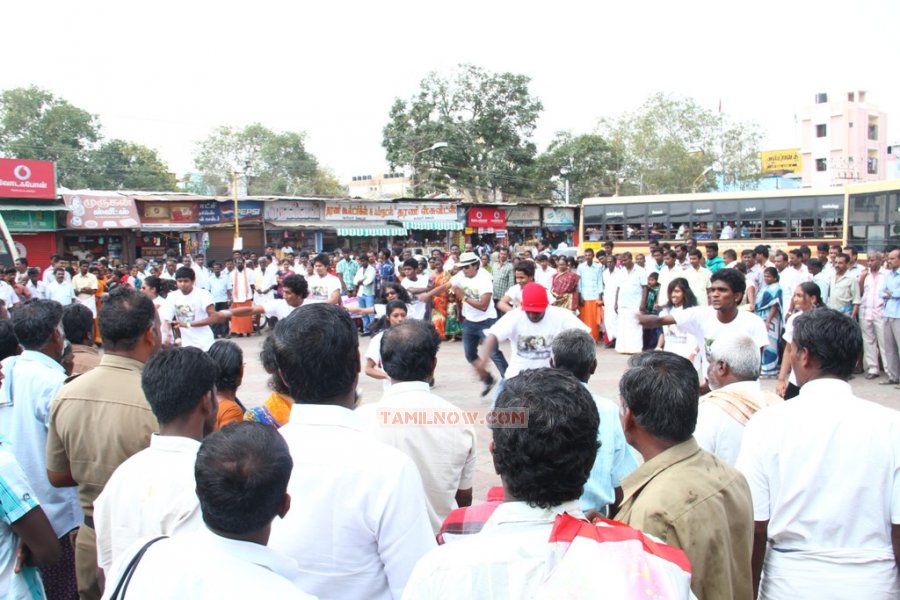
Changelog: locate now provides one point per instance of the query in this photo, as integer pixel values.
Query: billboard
(31, 179)
(781, 161)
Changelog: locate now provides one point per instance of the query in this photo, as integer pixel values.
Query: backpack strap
(125, 578)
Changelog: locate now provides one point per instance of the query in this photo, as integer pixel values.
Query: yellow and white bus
(866, 216)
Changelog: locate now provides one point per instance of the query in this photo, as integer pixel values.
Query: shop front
(168, 226)
(297, 224)
(523, 224)
(486, 225)
(218, 221)
(429, 224)
(559, 225)
(364, 226)
(33, 228)
(99, 224)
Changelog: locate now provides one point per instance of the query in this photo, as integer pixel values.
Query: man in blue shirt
(891, 294)
(590, 290)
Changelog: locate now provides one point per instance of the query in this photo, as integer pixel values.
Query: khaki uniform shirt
(692, 500)
(98, 420)
(86, 358)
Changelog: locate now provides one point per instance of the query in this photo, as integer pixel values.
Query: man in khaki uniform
(101, 418)
(682, 494)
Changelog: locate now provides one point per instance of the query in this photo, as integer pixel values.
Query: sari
(564, 288)
(769, 298)
(442, 317)
(275, 411)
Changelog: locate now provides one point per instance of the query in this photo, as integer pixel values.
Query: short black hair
(729, 253)
(297, 284)
(229, 357)
(322, 259)
(712, 246)
(242, 473)
(317, 352)
(22, 260)
(175, 380)
(270, 365)
(78, 323)
(408, 350)
(411, 262)
(35, 321)
(662, 390)
(575, 351)
(9, 343)
(547, 462)
(124, 317)
(833, 339)
(185, 273)
(696, 253)
(763, 250)
(822, 246)
(814, 262)
(525, 267)
(733, 278)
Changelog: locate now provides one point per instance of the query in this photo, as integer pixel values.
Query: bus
(866, 216)
(8, 252)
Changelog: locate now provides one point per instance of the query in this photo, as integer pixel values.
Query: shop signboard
(487, 218)
(523, 216)
(293, 210)
(214, 213)
(29, 220)
(559, 217)
(425, 212)
(169, 212)
(111, 211)
(31, 179)
(360, 211)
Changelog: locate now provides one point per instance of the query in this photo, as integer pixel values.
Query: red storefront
(485, 223)
(29, 206)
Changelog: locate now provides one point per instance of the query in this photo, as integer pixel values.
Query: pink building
(844, 140)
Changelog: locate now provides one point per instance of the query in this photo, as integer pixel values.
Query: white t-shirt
(474, 288)
(374, 352)
(416, 308)
(321, 288)
(515, 296)
(788, 337)
(631, 286)
(704, 324)
(530, 341)
(187, 309)
(278, 309)
(680, 342)
(545, 278)
(165, 330)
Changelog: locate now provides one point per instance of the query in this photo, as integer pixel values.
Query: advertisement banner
(293, 210)
(29, 220)
(214, 213)
(169, 212)
(559, 216)
(32, 179)
(101, 212)
(425, 212)
(360, 211)
(487, 218)
(781, 161)
(523, 216)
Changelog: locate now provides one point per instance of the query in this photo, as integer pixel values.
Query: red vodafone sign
(493, 218)
(32, 179)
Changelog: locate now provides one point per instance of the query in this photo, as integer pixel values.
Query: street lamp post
(434, 146)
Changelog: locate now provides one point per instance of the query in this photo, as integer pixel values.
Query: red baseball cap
(534, 298)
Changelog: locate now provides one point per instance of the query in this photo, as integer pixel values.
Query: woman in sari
(276, 409)
(769, 309)
(447, 326)
(565, 284)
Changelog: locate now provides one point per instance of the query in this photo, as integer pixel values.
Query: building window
(821, 98)
(872, 165)
(821, 164)
(873, 130)
(821, 130)
(851, 96)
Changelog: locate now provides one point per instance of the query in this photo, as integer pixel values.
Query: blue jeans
(473, 334)
(366, 302)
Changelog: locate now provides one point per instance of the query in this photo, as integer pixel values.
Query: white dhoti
(610, 318)
(837, 576)
(630, 334)
(90, 302)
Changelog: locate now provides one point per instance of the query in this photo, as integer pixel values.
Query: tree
(589, 162)
(272, 162)
(37, 125)
(121, 165)
(486, 120)
(673, 145)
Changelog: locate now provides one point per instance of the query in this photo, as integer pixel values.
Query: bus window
(867, 236)
(830, 217)
(614, 221)
(803, 217)
(636, 221)
(658, 221)
(868, 208)
(679, 220)
(727, 214)
(751, 215)
(703, 215)
(776, 218)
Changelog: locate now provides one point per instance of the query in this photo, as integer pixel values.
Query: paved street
(456, 382)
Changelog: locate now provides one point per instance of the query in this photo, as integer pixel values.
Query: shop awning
(434, 225)
(370, 231)
(32, 207)
(559, 228)
(170, 227)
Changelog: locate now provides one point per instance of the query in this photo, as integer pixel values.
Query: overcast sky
(167, 73)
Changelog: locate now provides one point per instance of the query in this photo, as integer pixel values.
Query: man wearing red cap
(530, 330)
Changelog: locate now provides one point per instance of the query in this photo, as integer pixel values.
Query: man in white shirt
(323, 286)
(524, 272)
(669, 271)
(807, 460)
(543, 468)
(295, 290)
(59, 290)
(871, 315)
(152, 493)
(358, 522)
(736, 395)
(169, 270)
(364, 287)
(37, 287)
(242, 474)
(86, 286)
(698, 277)
(629, 301)
(49, 275)
(192, 311)
(444, 454)
(791, 273)
(544, 272)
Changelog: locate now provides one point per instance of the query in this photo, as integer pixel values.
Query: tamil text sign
(781, 161)
(101, 212)
(32, 179)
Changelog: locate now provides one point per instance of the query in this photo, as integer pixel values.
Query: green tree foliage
(486, 119)
(673, 145)
(121, 165)
(37, 125)
(272, 162)
(589, 162)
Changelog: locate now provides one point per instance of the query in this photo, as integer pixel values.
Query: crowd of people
(129, 465)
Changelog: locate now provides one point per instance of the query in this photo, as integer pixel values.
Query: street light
(434, 146)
